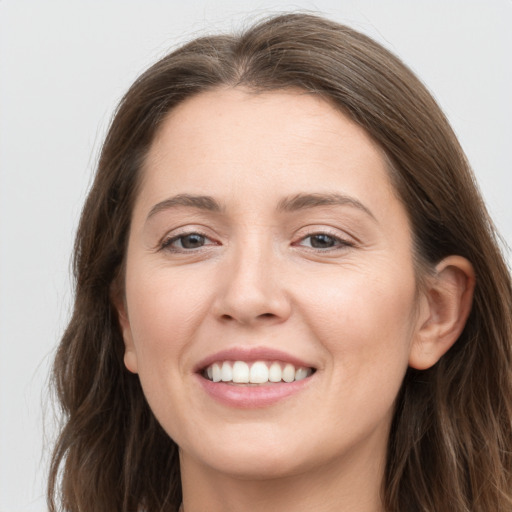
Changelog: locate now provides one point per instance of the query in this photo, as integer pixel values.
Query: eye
(323, 241)
(186, 242)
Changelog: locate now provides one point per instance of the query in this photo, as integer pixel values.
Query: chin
(260, 456)
(258, 465)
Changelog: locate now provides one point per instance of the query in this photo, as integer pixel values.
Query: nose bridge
(252, 288)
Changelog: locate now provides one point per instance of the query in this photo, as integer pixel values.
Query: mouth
(261, 372)
(250, 377)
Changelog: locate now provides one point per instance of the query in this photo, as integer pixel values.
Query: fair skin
(267, 222)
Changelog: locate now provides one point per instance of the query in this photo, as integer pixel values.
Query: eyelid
(343, 238)
(165, 242)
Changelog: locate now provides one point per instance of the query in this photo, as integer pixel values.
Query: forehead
(230, 141)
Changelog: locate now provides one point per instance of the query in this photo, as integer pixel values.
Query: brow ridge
(288, 204)
(207, 203)
(305, 201)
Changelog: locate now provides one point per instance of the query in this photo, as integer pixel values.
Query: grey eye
(191, 241)
(322, 241)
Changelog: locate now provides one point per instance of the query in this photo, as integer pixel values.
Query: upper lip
(250, 354)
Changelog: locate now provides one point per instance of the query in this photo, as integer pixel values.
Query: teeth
(240, 372)
(301, 373)
(226, 372)
(275, 373)
(289, 373)
(259, 372)
(216, 373)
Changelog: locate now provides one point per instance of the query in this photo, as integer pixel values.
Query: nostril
(263, 315)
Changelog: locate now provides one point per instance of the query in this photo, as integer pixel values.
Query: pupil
(192, 241)
(322, 241)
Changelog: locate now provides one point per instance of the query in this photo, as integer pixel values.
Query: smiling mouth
(255, 373)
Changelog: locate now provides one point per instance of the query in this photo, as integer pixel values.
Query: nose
(252, 290)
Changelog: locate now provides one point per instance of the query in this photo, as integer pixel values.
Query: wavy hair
(450, 446)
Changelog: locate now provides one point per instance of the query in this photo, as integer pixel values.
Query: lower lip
(252, 397)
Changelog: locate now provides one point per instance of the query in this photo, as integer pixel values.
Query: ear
(446, 304)
(130, 355)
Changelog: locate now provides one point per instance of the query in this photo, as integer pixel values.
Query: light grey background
(65, 64)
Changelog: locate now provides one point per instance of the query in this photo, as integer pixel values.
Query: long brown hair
(450, 446)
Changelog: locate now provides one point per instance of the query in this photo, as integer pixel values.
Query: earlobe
(446, 306)
(130, 356)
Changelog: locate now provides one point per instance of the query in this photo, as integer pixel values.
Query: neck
(349, 487)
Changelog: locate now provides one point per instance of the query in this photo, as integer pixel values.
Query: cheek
(166, 313)
(366, 324)
(164, 310)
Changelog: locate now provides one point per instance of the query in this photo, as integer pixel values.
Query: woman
(289, 295)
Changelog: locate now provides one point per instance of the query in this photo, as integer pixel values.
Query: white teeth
(216, 373)
(259, 372)
(240, 372)
(226, 373)
(301, 373)
(275, 373)
(289, 373)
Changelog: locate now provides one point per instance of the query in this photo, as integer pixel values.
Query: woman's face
(267, 244)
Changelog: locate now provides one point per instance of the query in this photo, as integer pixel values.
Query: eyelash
(339, 243)
(166, 244)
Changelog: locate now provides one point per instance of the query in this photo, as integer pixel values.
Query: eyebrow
(305, 201)
(206, 203)
(289, 204)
